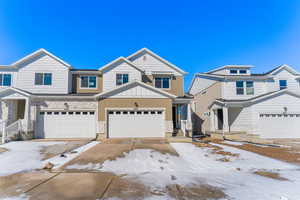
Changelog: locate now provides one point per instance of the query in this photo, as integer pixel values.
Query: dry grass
(2, 150)
(280, 153)
(199, 192)
(272, 175)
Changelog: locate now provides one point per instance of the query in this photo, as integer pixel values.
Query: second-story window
(233, 71)
(282, 84)
(5, 79)
(88, 82)
(243, 71)
(121, 79)
(239, 87)
(249, 88)
(43, 79)
(162, 82)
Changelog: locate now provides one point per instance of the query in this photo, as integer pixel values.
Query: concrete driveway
(84, 184)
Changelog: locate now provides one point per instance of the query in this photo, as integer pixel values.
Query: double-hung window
(122, 79)
(249, 88)
(282, 84)
(43, 79)
(162, 82)
(88, 82)
(5, 79)
(239, 87)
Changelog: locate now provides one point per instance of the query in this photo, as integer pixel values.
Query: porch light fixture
(136, 105)
(285, 110)
(66, 106)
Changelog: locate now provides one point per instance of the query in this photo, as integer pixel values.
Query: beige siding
(201, 123)
(77, 89)
(176, 84)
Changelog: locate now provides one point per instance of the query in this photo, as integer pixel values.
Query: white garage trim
(147, 122)
(66, 124)
(279, 125)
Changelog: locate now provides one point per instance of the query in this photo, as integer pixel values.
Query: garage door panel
(62, 124)
(135, 124)
(279, 125)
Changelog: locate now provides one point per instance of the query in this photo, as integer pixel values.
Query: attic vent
(144, 58)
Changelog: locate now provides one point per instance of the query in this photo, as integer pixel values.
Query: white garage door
(66, 124)
(148, 123)
(279, 125)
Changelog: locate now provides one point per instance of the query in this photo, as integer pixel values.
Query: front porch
(181, 115)
(229, 120)
(15, 120)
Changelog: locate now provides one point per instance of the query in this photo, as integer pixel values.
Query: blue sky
(194, 35)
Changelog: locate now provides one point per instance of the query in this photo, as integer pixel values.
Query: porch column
(189, 116)
(27, 114)
(212, 120)
(225, 120)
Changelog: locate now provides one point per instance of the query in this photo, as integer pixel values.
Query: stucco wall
(201, 101)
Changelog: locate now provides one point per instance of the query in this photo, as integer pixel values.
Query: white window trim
(43, 85)
(89, 88)
(244, 88)
(162, 82)
(11, 80)
(122, 73)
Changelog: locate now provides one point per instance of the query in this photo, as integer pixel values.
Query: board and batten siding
(149, 63)
(109, 75)
(43, 64)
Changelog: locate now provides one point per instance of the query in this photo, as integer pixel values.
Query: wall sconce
(66, 106)
(285, 110)
(136, 105)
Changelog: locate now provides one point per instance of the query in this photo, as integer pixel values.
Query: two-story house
(231, 99)
(141, 95)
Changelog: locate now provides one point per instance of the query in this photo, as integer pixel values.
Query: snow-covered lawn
(200, 166)
(22, 156)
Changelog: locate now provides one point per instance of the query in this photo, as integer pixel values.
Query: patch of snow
(59, 161)
(22, 156)
(232, 142)
(201, 166)
(21, 197)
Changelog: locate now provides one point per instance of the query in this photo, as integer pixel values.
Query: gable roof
(286, 67)
(118, 60)
(133, 84)
(254, 99)
(229, 66)
(38, 52)
(145, 50)
(25, 93)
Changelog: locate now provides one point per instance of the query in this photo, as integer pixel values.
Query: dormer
(232, 70)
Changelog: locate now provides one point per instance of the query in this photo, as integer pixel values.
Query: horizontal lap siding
(150, 63)
(240, 119)
(229, 90)
(275, 105)
(43, 64)
(109, 75)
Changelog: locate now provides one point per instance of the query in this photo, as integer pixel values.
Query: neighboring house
(231, 99)
(138, 96)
